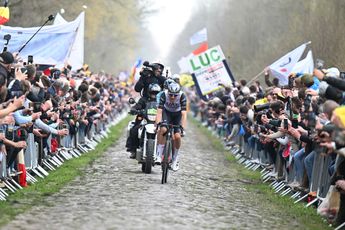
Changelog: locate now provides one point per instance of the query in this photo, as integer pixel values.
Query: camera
(7, 37)
(148, 68)
(261, 107)
(311, 118)
(35, 106)
(146, 72)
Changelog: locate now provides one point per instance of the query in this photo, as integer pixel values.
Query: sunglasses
(173, 95)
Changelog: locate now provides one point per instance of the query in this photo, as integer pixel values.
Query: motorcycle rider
(171, 110)
(132, 142)
(147, 77)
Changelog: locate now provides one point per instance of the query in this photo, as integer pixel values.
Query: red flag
(202, 48)
(21, 168)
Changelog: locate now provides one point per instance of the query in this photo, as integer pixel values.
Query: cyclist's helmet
(174, 88)
(167, 82)
(154, 89)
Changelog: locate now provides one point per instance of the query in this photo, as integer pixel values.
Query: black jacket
(144, 82)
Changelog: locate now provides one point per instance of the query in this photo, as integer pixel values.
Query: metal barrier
(252, 158)
(37, 160)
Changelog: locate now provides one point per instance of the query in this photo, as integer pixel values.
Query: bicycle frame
(167, 153)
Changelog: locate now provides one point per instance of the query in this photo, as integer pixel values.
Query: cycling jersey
(175, 104)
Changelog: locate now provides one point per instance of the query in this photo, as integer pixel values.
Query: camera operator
(149, 76)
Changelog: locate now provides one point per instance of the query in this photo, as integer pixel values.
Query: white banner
(199, 37)
(209, 70)
(76, 56)
(283, 66)
(52, 45)
(306, 65)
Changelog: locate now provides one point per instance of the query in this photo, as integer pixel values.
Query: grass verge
(287, 209)
(34, 194)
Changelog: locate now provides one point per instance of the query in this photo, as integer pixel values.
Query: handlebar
(137, 112)
(170, 126)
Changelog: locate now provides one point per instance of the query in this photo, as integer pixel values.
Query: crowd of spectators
(297, 131)
(52, 104)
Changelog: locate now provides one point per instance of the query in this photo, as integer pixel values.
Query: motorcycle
(147, 135)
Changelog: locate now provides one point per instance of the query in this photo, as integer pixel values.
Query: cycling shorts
(173, 118)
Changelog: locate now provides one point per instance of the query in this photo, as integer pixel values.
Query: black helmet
(154, 88)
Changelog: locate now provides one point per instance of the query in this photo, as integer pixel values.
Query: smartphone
(30, 59)
(286, 124)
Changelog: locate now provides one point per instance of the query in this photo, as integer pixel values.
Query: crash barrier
(40, 159)
(249, 154)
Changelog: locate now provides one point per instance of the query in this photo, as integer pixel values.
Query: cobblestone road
(114, 194)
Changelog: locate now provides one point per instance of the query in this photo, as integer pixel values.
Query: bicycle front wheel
(165, 162)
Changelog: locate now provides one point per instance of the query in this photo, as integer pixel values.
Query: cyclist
(171, 110)
(166, 83)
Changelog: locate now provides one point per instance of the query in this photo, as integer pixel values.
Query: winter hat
(6, 57)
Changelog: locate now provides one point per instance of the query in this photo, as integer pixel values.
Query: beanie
(6, 57)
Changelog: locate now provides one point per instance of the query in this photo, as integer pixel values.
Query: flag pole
(50, 18)
(256, 77)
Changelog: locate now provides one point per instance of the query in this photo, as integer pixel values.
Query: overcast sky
(168, 22)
